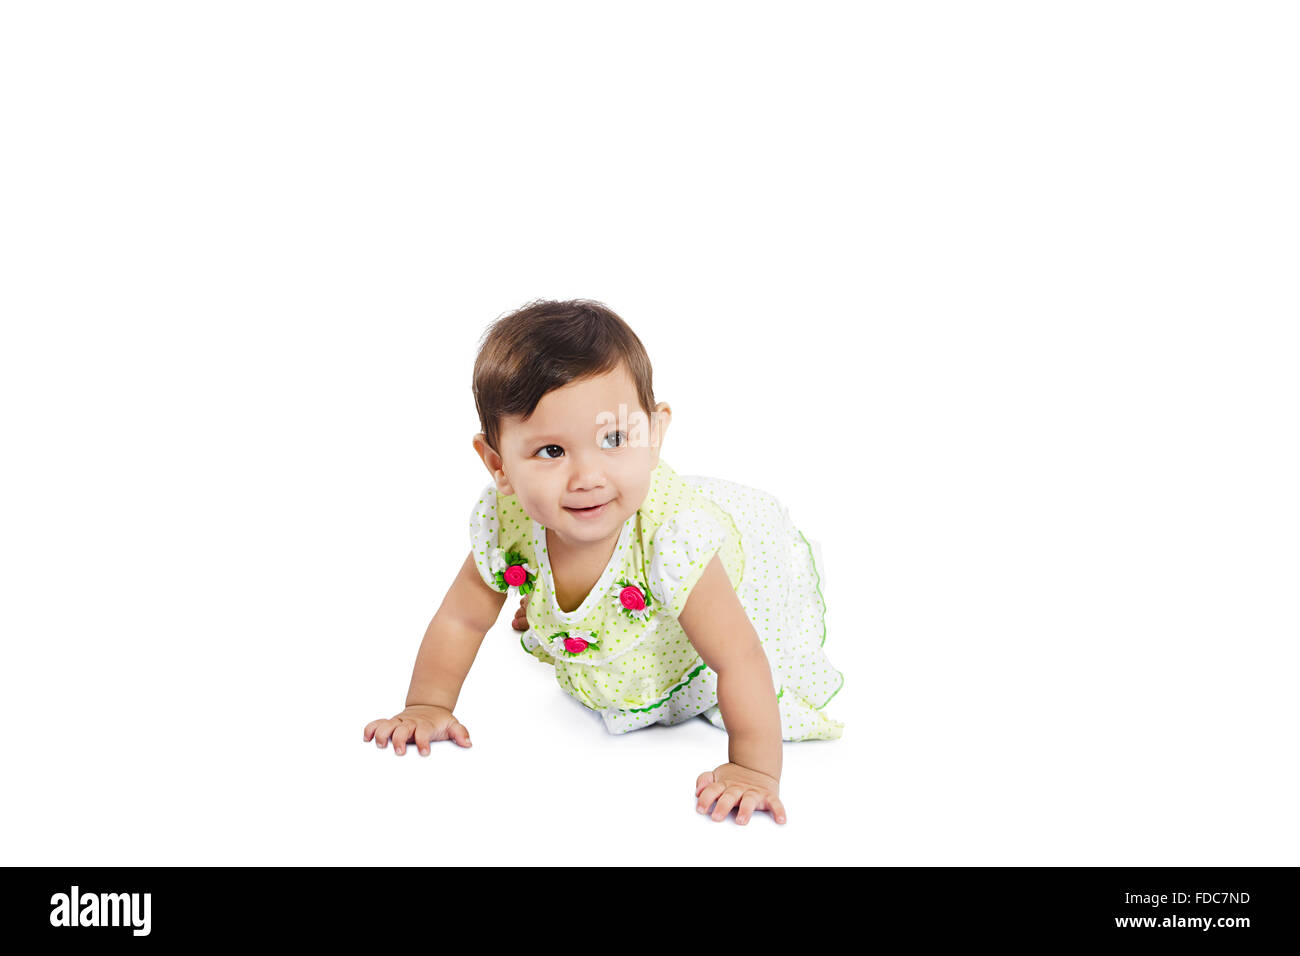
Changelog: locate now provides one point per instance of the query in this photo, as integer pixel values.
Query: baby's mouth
(586, 512)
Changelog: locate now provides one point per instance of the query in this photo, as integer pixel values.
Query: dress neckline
(579, 614)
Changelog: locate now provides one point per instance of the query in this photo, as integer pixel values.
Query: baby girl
(656, 597)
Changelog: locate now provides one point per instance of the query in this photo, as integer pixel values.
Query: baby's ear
(492, 461)
(660, 421)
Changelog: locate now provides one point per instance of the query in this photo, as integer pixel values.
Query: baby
(656, 597)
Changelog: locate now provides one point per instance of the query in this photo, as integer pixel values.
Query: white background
(1000, 300)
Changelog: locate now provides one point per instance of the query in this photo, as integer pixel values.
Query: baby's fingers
(708, 795)
(702, 781)
(423, 734)
(748, 802)
(730, 797)
(777, 807)
(401, 734)
(458, 732)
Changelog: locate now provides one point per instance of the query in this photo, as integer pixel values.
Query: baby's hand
(520, 623)
(731, 783)
(424, 722)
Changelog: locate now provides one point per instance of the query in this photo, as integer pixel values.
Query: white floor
(998, 298)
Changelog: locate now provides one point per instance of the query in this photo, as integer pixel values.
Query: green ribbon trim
(689, 678)
(817, 578)
(837, 690)
(818, 581)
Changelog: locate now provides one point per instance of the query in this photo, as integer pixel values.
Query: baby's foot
(520, 623)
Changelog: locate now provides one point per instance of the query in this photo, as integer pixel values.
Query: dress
(622, 652)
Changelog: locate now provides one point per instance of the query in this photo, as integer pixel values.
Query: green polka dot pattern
(645, 669)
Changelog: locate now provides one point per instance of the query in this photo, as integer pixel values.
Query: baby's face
(576, 468)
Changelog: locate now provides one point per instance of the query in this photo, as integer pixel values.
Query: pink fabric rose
(516, 575)
(632, 599)
(575, 645)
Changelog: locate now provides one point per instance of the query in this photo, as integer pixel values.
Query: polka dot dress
(622, 652)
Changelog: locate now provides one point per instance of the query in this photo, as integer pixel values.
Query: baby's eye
(547, 448)
(621, 440)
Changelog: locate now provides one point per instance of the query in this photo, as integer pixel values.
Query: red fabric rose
(516, 575)
(632, 599)
(575, 645)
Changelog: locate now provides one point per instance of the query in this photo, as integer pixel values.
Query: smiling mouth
(586, 511)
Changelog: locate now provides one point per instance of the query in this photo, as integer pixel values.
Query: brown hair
(546, 345)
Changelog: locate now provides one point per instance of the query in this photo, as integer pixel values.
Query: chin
(587, 530)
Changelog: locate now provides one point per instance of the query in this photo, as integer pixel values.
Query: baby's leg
(520, 623)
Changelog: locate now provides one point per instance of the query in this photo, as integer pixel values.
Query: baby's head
(565, 400)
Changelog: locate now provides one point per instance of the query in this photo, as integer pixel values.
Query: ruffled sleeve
(498, 536)
(680, 551)
(484, 534)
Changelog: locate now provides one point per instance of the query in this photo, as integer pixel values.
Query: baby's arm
(716, 624)
(450, 644)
